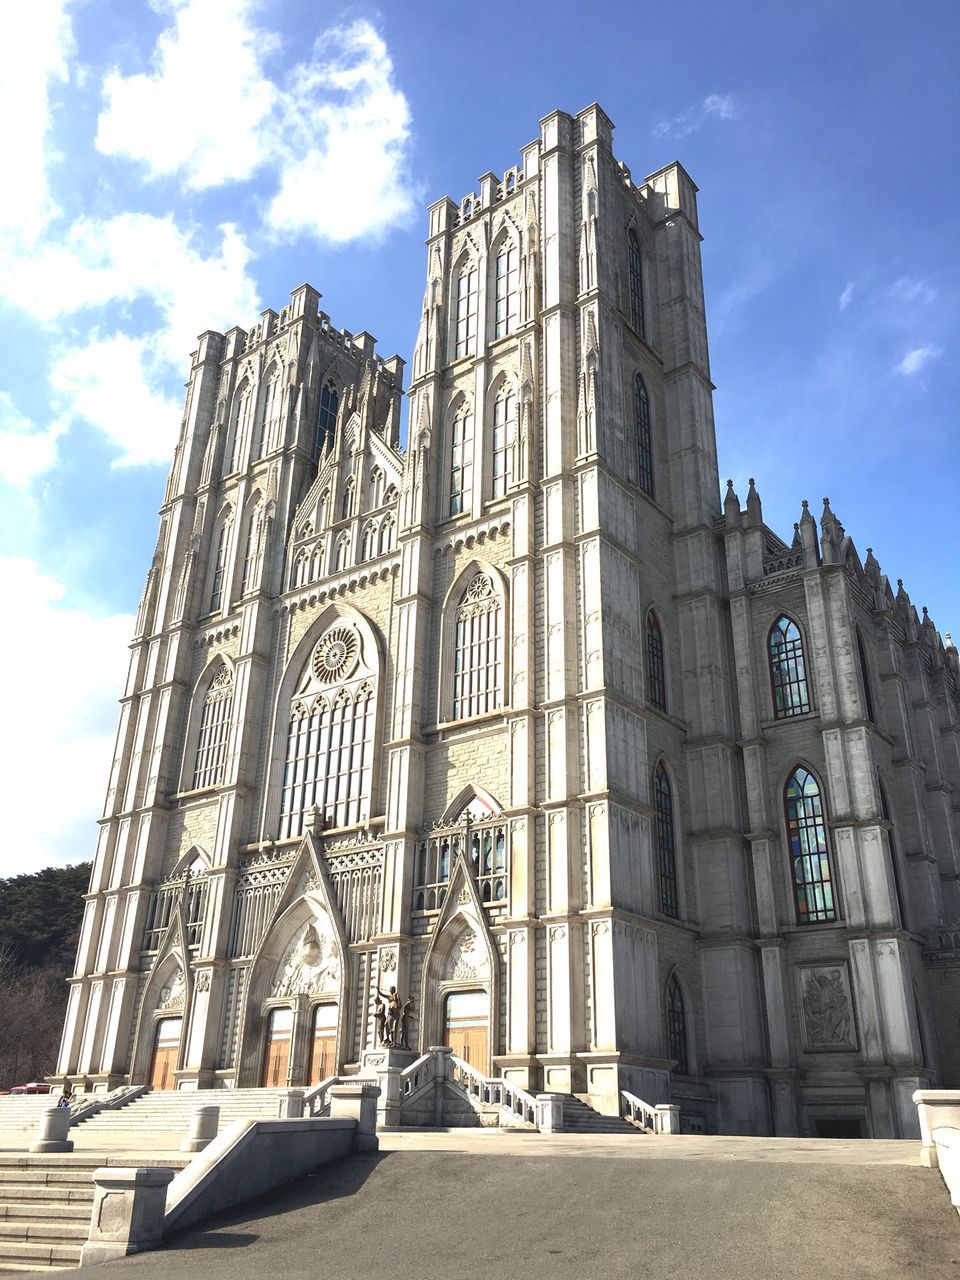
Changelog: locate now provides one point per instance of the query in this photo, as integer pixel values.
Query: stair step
(64, 1255)
(23, 1210)
(42, 1232)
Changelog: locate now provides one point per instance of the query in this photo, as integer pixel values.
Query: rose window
(336, 656)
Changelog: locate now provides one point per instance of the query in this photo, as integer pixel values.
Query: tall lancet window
(478, 652)
(250, 547)
(788, 674)
(242, 416)
(644, 442)
(636, 286)
(666, 843)
(656, 674)
(504, 413)
(326, 417)
(677, 1027)
(219, 569)
(809, 855)
(466, 338)
(507, 292)
(329, 759)
(461, 460)
(214, 729)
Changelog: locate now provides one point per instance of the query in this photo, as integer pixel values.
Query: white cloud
(335, 130)
(26, 451)
(55, 756)
(917, 359)
(37, 42)
(715, 106)
(846, 297)
(910, 290)
(109, 384)
(200, 113)
(344, 150)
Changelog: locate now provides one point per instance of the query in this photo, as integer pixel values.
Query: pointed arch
(385, 542)
(475, 799)
(377, 482)
(327, 409)
(635, 277)
(208, 728)
(368, 542)
(656, 662)
(666, 838)
(505, 257)
(218, 594)
(474, 676)
(460, 475)
(347, 498)
(251, 529)
(342, 554)
(241, 417)
(677, 1023)
(644, 437)
(788, 668)
(326, 757)
(806, 833)
(465, 285)
(268, 423)
(503, 428)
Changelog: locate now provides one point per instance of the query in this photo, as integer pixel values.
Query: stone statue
(393, 1019)
(406, 1013)
(826, 1008)
(312, 967)
(380, 1019)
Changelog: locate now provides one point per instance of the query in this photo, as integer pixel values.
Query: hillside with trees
(40, 919)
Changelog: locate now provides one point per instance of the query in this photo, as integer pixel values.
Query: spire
(829, 537)
(808, 538)
(872, 569)
(731, 507)
(754, 508)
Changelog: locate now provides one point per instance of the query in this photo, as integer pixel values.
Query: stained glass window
(809, 856)
(466, 312)
(214, 727)
(326, 417)
(644, 444)
(666, 844)
(243, 412)
(656, 676)
(506, 290)
(504, 409)
(677, 1027)
(788, 674)
(219, 566)
(636, 286)
(478, 658)
(461, 460)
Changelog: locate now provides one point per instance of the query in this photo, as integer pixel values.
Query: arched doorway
(276, 1058)
(467, 1027)
(323, 1048)
(166, 1051)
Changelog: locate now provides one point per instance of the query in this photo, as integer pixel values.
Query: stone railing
(316, 1099)
(91, 1104)
(664, 1118)
(495, 1091)
(417, 1076)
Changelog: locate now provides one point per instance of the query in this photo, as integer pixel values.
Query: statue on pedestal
(392, 1021)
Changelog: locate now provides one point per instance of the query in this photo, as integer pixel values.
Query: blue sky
(183, 163)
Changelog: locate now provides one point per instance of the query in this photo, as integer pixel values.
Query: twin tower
(626, 791)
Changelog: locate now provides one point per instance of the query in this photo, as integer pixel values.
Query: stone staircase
(23, 1111)
(170, 1112)
(579, 1117)
(45, 1204)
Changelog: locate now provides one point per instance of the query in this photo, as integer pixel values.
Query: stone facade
(530, 657)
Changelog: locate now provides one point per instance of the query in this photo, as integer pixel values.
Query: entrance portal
(466, 1027)
(276, 1059)
(324, 1048)
(166, 1050)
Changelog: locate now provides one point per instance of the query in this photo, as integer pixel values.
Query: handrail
(88, 1105)
(494, 1091)
(315, 1100)
(663, 1118)
(416, 1075)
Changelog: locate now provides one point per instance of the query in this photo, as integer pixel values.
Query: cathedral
(526, 721)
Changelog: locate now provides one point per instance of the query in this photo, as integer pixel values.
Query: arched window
(214, 729)
(367, 547)
(461, 459)
(677, 1027)
(346, 502)
(636, 286)
(788, 675)
(504, 411)
(301, 572)
(329, 760)
(326, 417)
(219, 568)
(323, 509)
(644, 445)
(656, 675)
(466, 311)
(386, 536)
(506, 292)
(242, 415)
(250, 548)
(270, 416)
(807, 842)
(343, 553)
(865, 678)
(376, 488)
(666, 843)
(478, 656)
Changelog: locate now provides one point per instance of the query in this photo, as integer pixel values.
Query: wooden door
(276, 1058)
(323, 1050)
(166, 1051)
(467, 1027)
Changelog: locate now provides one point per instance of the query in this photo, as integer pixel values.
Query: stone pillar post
(204, 1124)
(549, 1112)
(357, 1102)
(52, 1130)
(128, 1209)
(668, 1118)
(291, 1104)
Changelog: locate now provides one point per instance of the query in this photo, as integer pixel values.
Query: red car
(34, 1086)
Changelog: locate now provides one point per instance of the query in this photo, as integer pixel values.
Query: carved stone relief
(312, 965)
(172, 996)
(826, 1007)
(469, 959)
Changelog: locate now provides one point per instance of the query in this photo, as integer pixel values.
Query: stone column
(128, 1209)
